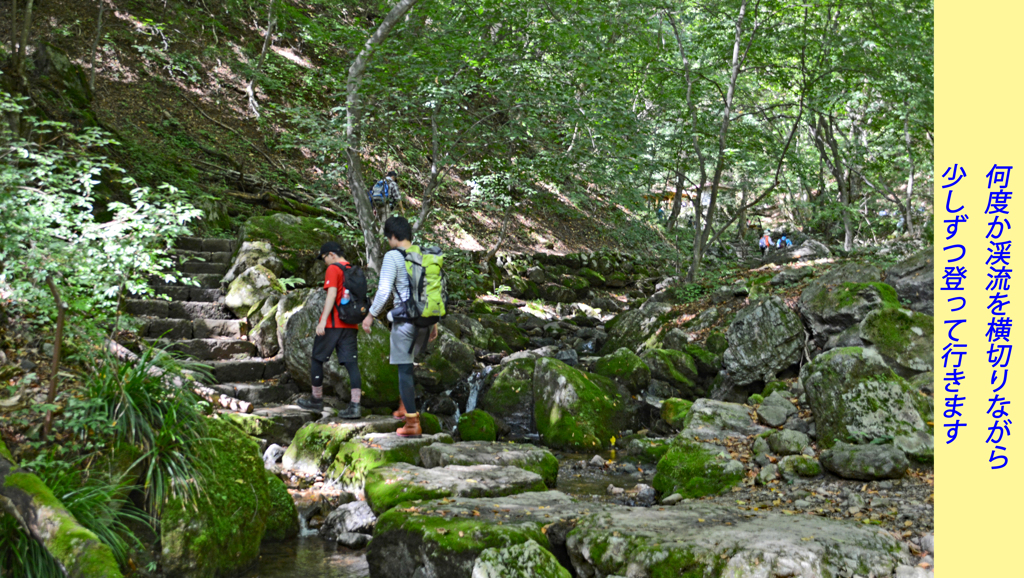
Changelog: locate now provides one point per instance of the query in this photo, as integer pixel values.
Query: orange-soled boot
(400, 412)
(412, 428)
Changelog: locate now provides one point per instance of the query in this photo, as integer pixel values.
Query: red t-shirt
(334, 277)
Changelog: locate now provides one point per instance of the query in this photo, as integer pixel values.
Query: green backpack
(428, 286)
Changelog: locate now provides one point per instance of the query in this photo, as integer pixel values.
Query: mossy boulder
(392, 484)
(451, 360)
(468, 329)
(429, 423)
(798, 466)
(716, 342)
(315, 445)
(220, 533)
(625, 368)
(481, 307)
(721, 418)
(576, 410)
(632, 328)
(526, 456)
(842, 298)
(616, 279)
(477, 425)
(526, 560)
(904, 338)
(865, 462)
(856, 397)
(677, 369)
(693, 471)
(523, 288)
(646, 450)
(283, 521)
(913, 280)
(557, 293)
(251, 254)
(256, 425)
(674, 410)
(708, 364)
(764, 339)
(510, 396)
(505, 336)
(379, 377)
(253, 288)
(358, 456)
(593, 278)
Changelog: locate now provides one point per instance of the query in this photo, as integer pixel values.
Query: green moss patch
(576, 410)
(692, 471)
(625, 368)
(360, 455)
(283, 521)
(674, 410)
(477, 425)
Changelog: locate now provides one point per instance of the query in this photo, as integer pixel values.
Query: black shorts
(342, 340)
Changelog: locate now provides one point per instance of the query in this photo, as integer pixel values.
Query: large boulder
(390, 485)
(676, 369)
(467, 329)
(856, 397)
(379, 377)
(526, 560)
(865, 462)
(693, 471)
(764, 339)
(510, 396)
(252, 288)
(626, 369)
(358, 456)
(251, 254)
(841, 298)
(705, 539)
(450, 360)
(220, 533)
(577, 410)
(912, 278)
(525, 456)
(634, 327)
(905, 339)
(720, 419)
(315, 445)
(504, 336)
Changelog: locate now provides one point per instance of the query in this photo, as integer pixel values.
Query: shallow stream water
(308, 557)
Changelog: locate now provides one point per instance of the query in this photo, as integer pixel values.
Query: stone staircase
(198, 325)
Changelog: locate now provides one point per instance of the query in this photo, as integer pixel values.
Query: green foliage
(23, 557)
(689, 292)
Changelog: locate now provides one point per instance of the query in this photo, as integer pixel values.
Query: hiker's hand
(321, 327)
(433, 332)
(368, 324)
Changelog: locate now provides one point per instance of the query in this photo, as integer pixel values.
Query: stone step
(289, 418)
(203, 268)
(202, 256)
(241, 370)
(210, 349)
(207, 245)
(194, 329)
(256, 393)
(186, 293)
(177, 309)
(205, 281)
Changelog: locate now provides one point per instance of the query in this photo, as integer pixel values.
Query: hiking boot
(412, 428)
(400, 412)
(351, 412)
(308, 402)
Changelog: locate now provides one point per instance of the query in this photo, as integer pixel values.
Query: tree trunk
(677, 203)
(58, 341)
(701, 237)
(25, 30)
(95, 46)
(909, 218)
(250, 91)
(78, 551)
(353, 132)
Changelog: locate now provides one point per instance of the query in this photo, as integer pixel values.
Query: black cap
(392, 174)
(330, 247)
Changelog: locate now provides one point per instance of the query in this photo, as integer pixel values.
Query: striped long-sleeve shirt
(393, 277)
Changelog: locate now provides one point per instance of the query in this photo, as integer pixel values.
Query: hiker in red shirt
(333, 334)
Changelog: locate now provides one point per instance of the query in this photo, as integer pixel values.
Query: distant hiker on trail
(661, 214)
(338, 328)
(384, 195)
(783, 241)
(406, 336)
(765, 243)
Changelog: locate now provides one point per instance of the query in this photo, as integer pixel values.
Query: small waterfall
(476, 382)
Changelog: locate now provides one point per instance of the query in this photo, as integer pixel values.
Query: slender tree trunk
(910, 179)
(250, 91)
(95, 46)
(58, 341)
(25, 30)
(677, 203)
(353, 131)
(700, 239)
(435, 172)
(14, 33)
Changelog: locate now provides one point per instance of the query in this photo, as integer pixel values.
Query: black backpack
(358, 305)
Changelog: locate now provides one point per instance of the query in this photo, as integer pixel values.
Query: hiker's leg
(321, 353)
(348, 347)
(407, 387)
(355, 379)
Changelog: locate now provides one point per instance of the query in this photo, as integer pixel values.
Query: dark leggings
(317, 374)
(407, 387)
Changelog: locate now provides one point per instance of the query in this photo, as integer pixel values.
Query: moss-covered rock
(616, 279)
(677, 369)
(505, 336)
(693, 471)
(429, 423)
(716, 342)
(296, 241)
(526, 560)
(592, 277)
(721, 418)
(251, 254)
(251, 289)
(842, 298)
(315, 445)
(283, 521)
(467, 329)
(481, 307)
(451, 360)
(708, 364)
(856, 397)
(646, 450)
(510, 396)
(379, 377)
(525, 456)
(557, 293)
(390, 485)
(574, 409)
(755, 399)
(477, 425)
(904, 338)
(764, 339)
(865, 462)
(674, 410)
(632, 328)
(625, 368)
(357, 457)
(256, 425)
(221, 533)
(774, 386)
